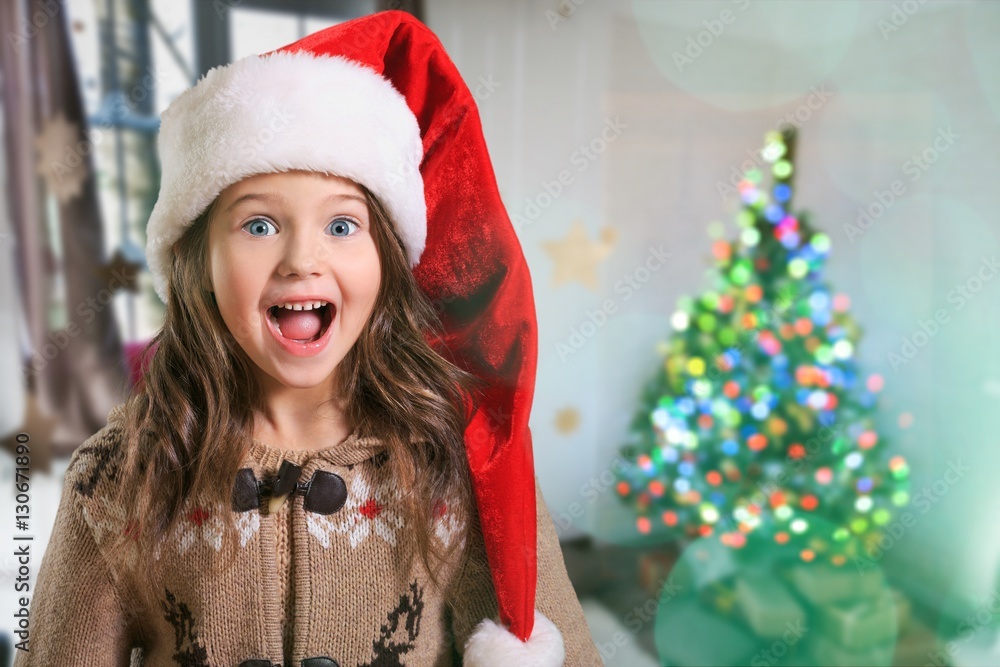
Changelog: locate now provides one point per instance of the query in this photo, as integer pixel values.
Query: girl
(317, 469)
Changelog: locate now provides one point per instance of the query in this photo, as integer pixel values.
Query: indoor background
(631, 143)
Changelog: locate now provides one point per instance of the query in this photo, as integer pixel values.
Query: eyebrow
(266, 196)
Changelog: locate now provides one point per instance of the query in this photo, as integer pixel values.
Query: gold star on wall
(567, 420)
(577, 257)
(120, 273)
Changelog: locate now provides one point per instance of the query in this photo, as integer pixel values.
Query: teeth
(302, 305)
(308, 305)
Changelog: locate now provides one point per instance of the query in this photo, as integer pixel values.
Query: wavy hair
(190, 422)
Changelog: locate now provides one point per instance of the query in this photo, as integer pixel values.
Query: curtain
(73, 370)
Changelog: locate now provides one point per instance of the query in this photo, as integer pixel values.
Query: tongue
(299, 324)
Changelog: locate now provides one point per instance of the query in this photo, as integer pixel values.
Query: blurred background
(763, 255)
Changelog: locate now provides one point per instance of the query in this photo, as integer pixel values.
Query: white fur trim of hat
(492, 645)
(280, 112)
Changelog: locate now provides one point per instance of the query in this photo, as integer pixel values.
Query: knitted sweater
(309, 588)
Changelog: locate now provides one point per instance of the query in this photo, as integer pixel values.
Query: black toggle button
(325, 493)
(285, 482)
(246, 495)
(320, 661)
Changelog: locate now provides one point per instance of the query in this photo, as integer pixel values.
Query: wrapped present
(821, 585)
(827, 652)
(860, 624)
(870, 583)
(767, 605)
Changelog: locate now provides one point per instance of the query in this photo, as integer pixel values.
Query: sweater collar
(354, 449)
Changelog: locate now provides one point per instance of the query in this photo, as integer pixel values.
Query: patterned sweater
(309, 588)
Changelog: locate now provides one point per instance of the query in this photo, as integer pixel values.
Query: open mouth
(303, 322)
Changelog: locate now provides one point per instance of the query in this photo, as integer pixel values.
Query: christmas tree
(759, 427)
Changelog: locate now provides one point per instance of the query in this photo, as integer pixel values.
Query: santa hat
(377, 100)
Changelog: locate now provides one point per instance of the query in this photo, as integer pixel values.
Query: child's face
(294, 238)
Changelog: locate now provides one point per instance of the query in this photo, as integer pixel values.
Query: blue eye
(258, 227)
(341, 225)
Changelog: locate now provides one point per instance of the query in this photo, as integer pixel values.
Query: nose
(300, 257)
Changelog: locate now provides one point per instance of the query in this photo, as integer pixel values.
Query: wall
(871, 85)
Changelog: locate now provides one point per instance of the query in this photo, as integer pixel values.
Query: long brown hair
(190, 422)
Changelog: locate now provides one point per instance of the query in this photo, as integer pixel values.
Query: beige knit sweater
(305, 585)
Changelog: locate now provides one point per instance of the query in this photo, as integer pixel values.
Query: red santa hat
(377, 100)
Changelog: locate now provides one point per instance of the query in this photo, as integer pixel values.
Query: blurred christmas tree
(759, 426)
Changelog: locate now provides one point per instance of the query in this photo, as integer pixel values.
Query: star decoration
(200, 523)
(248, 523)
(567, 420)
(120, 273)
(370, 510)
(370, 514)
(63, 167)
(577, 257)
(446, 522)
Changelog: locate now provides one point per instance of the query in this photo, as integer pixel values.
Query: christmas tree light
(759, 422)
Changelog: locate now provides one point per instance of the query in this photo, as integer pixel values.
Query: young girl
(328, 461)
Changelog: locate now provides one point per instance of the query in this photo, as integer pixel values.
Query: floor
(606, 581)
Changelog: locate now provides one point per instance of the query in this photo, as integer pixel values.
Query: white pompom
(492, 645)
